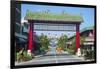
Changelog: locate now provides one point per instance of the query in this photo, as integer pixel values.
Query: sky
(86, 13)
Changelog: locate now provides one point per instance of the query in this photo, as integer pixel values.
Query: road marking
(56, 57)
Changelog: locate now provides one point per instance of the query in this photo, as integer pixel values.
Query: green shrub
(25, 56)
(71, 51)
(89, 55)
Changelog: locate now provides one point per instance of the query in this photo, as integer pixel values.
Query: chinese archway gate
(53, 22)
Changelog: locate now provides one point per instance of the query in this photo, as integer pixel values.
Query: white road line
(56, 57)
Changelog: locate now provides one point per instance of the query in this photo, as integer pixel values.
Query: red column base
(29, 52)
(78, 53)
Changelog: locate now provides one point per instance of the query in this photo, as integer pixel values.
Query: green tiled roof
(87, 28)
(53, 17)
(83, 30)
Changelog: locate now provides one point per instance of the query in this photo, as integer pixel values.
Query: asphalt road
(52, 57)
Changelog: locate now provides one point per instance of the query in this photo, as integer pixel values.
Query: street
(52, 57)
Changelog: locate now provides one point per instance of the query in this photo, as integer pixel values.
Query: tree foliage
(62, 41)
(44, 42)
(72, 48)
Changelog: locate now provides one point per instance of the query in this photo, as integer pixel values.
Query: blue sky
(87, 13)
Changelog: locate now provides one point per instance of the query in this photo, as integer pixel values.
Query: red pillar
(78, 40)
(30, 39)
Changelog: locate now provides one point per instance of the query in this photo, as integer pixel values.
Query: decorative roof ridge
(37, 15)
